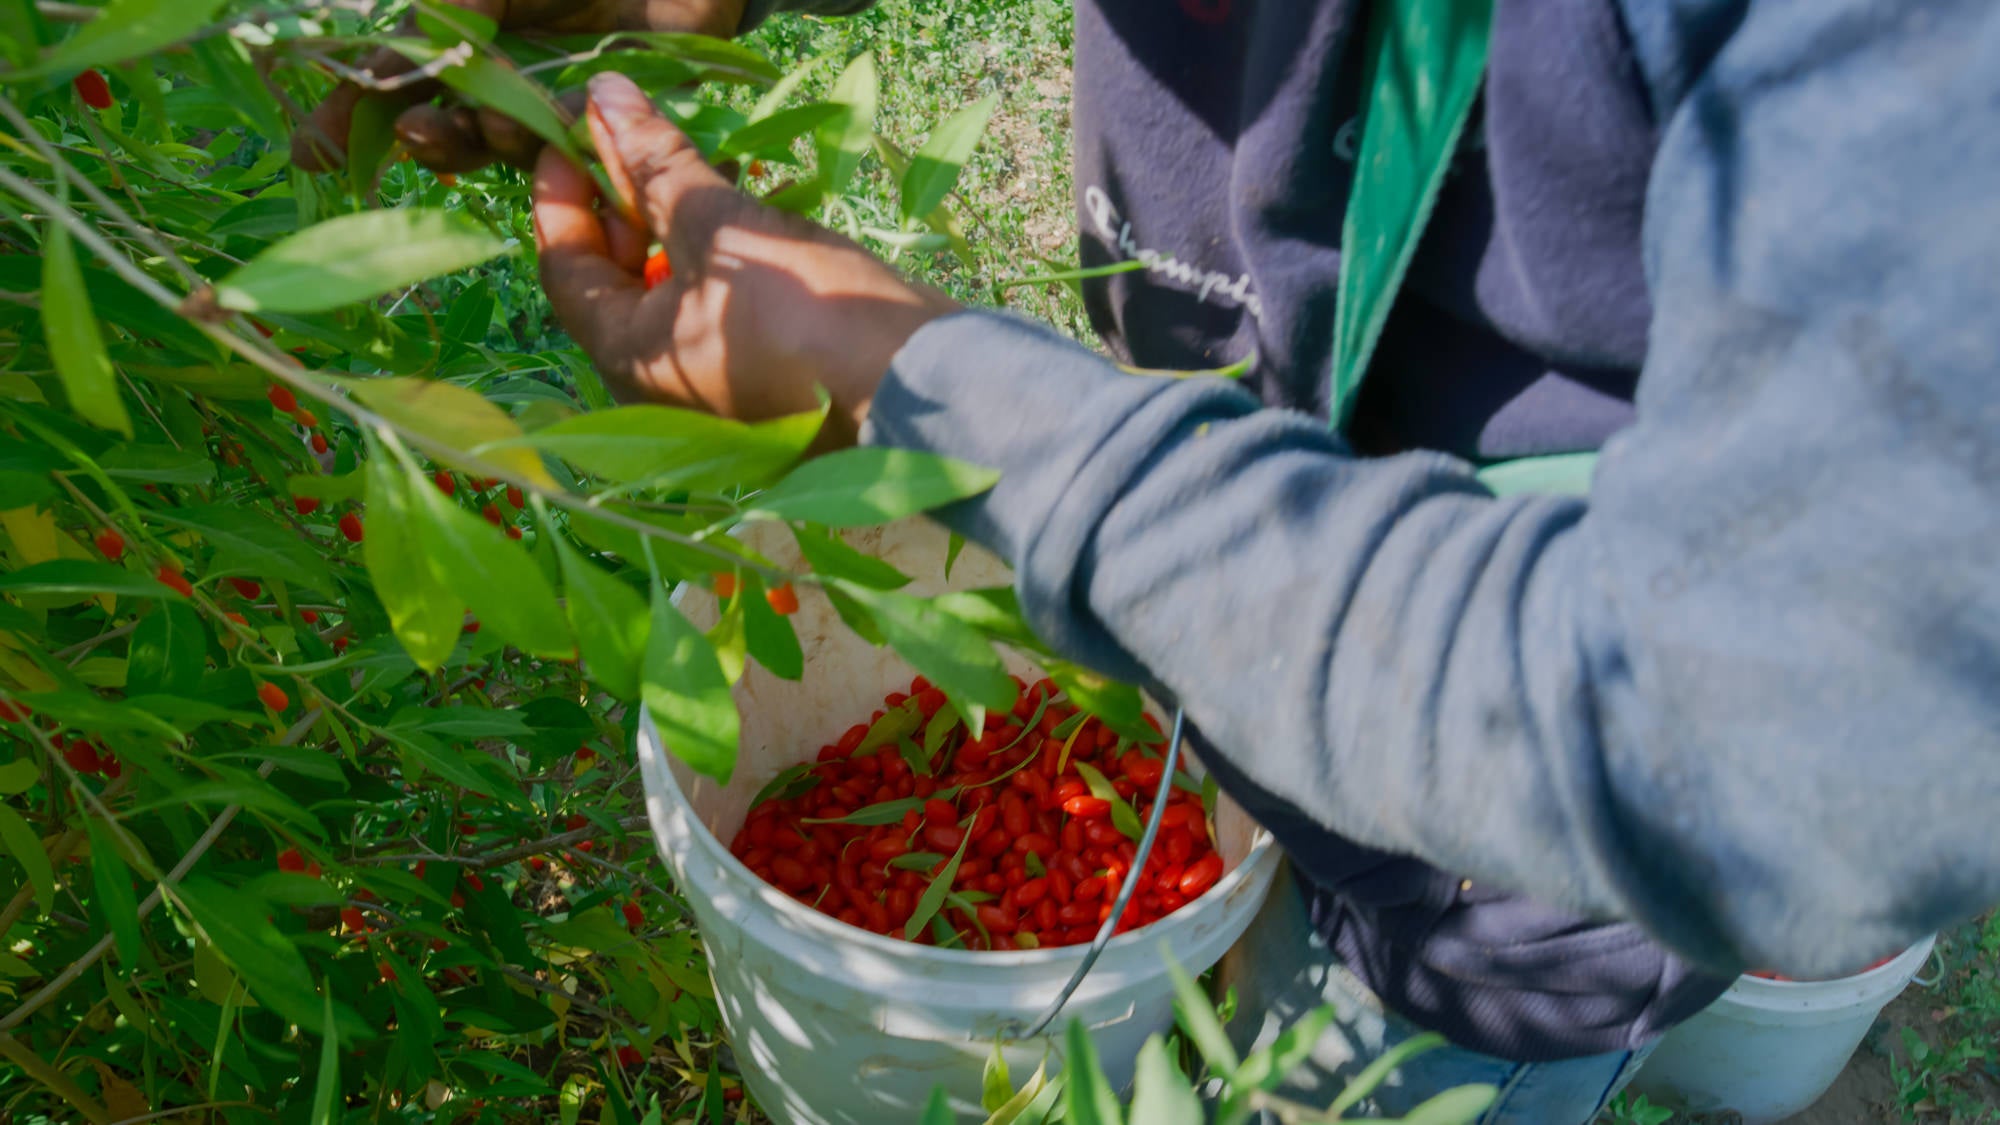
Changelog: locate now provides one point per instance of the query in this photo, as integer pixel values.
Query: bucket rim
(658, 778)
(1904, 965)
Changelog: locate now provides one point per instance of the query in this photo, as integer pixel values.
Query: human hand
(456, 138)
(761, 306)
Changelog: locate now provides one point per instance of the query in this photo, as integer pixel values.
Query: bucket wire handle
(1131, 884)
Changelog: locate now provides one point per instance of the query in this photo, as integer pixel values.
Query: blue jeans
(1282, 969)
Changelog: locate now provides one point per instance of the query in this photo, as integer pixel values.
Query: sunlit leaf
(949, 653)
(683, 688)
(425, 613)
(933, 896)
(673, 448)
(462, 419)
(126, 29)
(611, 622)
(493, 575)
(935, 168)
(844, 140)
(831, 557)
(777, 131)
(356, 257)
(75, 344)
(871, 485)
(77, 576)
(1161, 1094)
(1087, 1096)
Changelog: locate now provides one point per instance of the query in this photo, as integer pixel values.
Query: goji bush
(333, 584)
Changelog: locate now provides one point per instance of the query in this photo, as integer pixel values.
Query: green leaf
(727, 638)
(425, 614)
(27, 848)
(260, 954)
(126, 29)
(1197, 1016)
(672, 448)
(461, 723)
(1453, 1107)
(934, 170)
(441, 759)
(791, 782)
(448, 25)
(917, 861)
(161, 464)
(459, 418)
(870, 485)
(937, 731)
(683, 688)
(1118, 706)
(326, 1086)
(75, 344)
(247, 542)
(486, 81)
(495, 576)
(80, 576)
(771, 639)
(1087, 1096)
(894, 724)
(831, 557)
(777, 131)
(1021, 1107)
(951, 655)
(884, 812)
(610, 619)
(953, 545)
(842, 141)
(113, 883)
(937, 1111)
(940, 886)
(996, 1086)
(19, 776)
(1265, 1069)
(1376, 1072)
(1161, 1094)
(1123, 817)
(355, 258)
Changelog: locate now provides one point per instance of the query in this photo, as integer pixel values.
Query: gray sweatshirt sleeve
(1748, 694)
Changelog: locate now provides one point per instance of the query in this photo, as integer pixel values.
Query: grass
(1014, 196)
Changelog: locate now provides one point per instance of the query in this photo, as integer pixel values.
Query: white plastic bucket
(833, 1024)
(1767, 1048)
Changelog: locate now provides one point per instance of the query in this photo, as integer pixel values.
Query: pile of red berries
(1017, 839)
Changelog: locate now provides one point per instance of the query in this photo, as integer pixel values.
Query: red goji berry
(658, 269)
(350, 527)
(515, 497)
(445, 483)
(292, 860)
(725, 585)
(281, 397)
(305, 505)
(245, 588)
(82, 757)
(171, 578)
(94, 90)
(318, 442)
(110, 544)
(783, 599)
(273, 696)
(492, 514)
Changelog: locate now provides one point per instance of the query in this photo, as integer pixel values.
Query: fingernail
(618, 99)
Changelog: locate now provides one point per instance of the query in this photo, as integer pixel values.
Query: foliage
(332, 587)
(1951, 1073)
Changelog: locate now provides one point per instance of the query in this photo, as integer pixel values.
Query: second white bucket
(1767, 1049)
(834, 1025)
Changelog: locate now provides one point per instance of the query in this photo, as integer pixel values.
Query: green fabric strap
(1426, 61)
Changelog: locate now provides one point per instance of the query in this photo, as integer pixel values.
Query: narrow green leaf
(27, 848)
(1161, 1094)
(844, 140)
(495, 576)
(1378, 1071)
(448, 24)
(937, 731)
(1458, 1106)
(265, 959)
(778, 131)
(126, 29)
(831, 557)
(1087, 1096)
(673, 448)
(996, 1085)
(81, 576)
(1197, 1016)
(1266, 1068)
(951, 655)
(683, 688)
(914, 756)
(1021, 1107)
(732, 649)
(791, 782)
(113, 882)
(937, 1111)
(354, 258)
(952, 546)
(934, 170)
(456, 416)
(771, 639)
(248, 541)
(917, 861)
(895, 723)
(1123, 817)
(75, 343)
(425, 614)
(884, 812)
(933, 896)
(326, 1087)
(611, 622)
(870, 485)
(19, 776)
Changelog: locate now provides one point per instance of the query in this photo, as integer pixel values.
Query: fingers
(321, 146)
(444, 139)
(594, 295)
(653, 166)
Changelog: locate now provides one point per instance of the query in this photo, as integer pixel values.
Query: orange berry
(350, 527)
(513, 533)
(305, 418)
(282, 398)
(658, 269)
(273, 696)
(172, 579)
(783, 599)
(110, 544)
(318, 442)
(725, 585)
